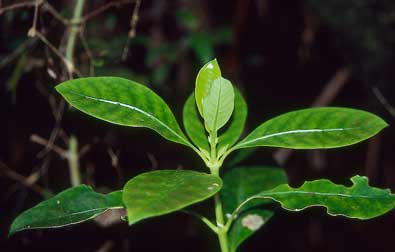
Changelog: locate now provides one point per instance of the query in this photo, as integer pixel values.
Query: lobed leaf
(160, 192)
(193, 124)
(207, 74)
(313, 128)
(218, 104)
(69, 207)
(359, 201)
(122, 102)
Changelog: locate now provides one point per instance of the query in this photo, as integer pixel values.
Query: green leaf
(218, 104)
(122, 102)
(314, 128)
(207, 74)
(69, 207)
(160, 192)
(240, 183)
(193, 124)
(246, 225)
(236, 125)
(359, 201)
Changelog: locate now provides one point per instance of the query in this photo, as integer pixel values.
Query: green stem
(222, 232)
(72, 158)
(75, 28)
(214, 166)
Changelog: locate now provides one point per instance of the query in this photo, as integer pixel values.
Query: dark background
(281, 54)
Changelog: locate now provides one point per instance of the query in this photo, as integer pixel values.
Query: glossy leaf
(207, 74)
(359, 201)
(160, 192)
(246, 225)
(122, 102)
(240, 183)
(236, 125)
(193, 124)
(313, 128)
(69, 207)
(218, 104)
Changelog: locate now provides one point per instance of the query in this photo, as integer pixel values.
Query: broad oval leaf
(246, 225)
(218, 104)
(193, 124)
(122, 102)
(69, 207)
(327, 127)
(236, 125)
(207, 74)
(359, 201)
(164, 191)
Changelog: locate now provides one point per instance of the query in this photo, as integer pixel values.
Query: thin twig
(102, 9)
(89, 53)
(383, 101)
(17, 6)
(26, 181)
(133, 26)
(56, 14)
(67, 63)
(44, 142)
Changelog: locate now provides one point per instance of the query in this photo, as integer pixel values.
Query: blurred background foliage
(282, 54)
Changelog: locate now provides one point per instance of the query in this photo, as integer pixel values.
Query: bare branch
(44, 142)
(26, 181)
(103, 8)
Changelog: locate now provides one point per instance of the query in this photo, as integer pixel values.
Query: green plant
(214, 118)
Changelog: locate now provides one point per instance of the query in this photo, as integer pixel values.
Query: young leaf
(246, 225)
(236, 125)
(314, 128)
(240, 183)
(193, 124)
(160, 192)
(359, 201)
(218, 104)
(207, 74)
(69, 207)
(122, 102)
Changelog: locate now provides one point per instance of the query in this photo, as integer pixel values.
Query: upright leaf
(122, 102)
(359, 201)
(69, 207)
(237, 122)
(207, 74)
(240, 183)
(160, 192)
(193, 124)
(314, 128)
(218, 104)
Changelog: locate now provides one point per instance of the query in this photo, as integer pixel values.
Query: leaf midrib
(132, 108)
(243, 143)
(268, 195)
(101, 211)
